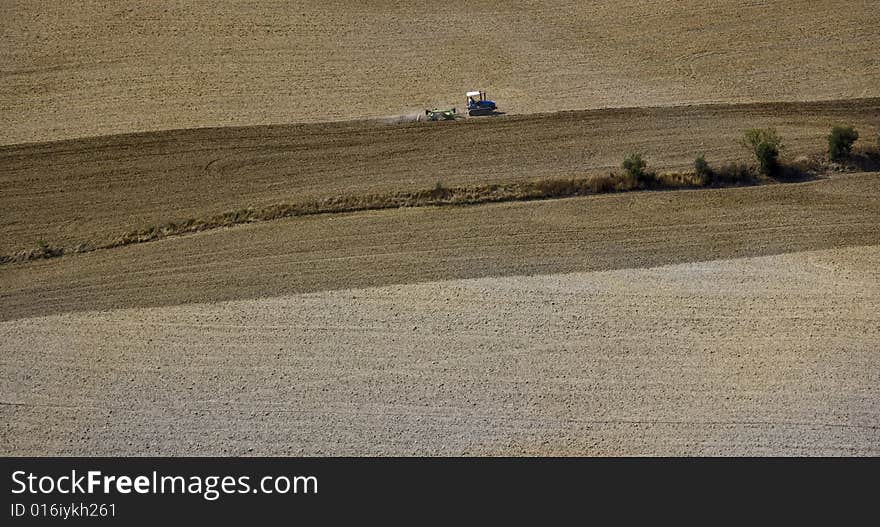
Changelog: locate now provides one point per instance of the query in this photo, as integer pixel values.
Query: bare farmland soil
(716, 321)
(90, 190)
(84, 68)
(755, 356)
(356, 250)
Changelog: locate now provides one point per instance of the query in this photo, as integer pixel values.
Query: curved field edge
(314, 253)
(750, 356)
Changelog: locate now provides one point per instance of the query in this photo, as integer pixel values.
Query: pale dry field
(753, 356)
(83, 68)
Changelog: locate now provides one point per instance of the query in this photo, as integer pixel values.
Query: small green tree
(840, 141)
(765, 144)
(635, 167)
(704, 171)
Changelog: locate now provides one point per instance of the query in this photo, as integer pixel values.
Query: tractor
(478, 104)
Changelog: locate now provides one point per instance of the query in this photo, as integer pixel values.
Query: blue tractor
(478, 104)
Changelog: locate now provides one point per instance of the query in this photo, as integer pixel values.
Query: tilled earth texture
(718, 321)
(750, 356)
(84, 67)
(730, 321)
(91, 190)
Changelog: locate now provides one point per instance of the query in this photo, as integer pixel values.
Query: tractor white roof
(472, 94)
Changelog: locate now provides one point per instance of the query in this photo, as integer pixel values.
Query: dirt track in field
(91, 190)
(85, 68)
(758, 356)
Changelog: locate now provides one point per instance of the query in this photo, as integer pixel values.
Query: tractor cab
(478, 104)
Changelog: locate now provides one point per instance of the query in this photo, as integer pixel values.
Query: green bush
(765, 144)
(635, 167)
(840, 141)
(704, 171)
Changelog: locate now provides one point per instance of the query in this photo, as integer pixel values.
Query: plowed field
(722, 321)
(83, 68)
